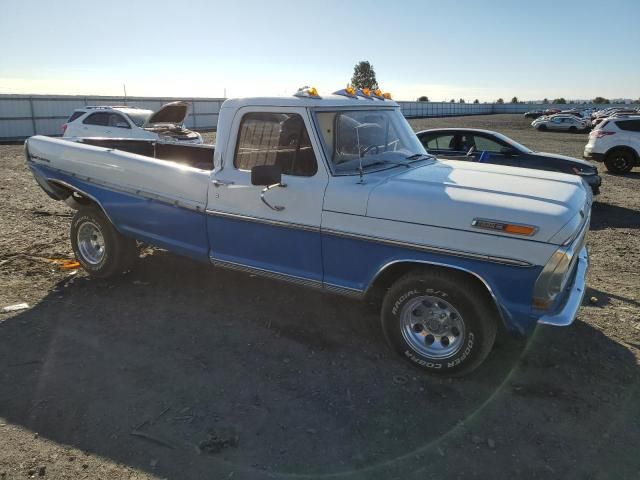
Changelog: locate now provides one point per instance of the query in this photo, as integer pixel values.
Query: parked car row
(601, 116)
(584, 113)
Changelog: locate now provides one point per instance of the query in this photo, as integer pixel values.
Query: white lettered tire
(441, 321)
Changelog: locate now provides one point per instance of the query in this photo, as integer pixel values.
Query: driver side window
(275, 139)
(484, 144)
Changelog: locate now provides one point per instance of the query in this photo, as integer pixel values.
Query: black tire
(106, 253)
(473, 308)
(573, 129)
(542, 128)
(619, 161)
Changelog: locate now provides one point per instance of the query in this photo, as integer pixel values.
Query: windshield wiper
(386, 161)
(418, 156)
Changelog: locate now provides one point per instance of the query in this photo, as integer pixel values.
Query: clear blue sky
(442, 49)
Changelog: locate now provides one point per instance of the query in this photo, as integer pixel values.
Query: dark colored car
(493, 147)
(534, 114)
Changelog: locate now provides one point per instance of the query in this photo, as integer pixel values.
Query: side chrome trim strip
(127, 190)
(265, 273)
(267, 221)
(428, 249)
(305, 282)
(345, 291)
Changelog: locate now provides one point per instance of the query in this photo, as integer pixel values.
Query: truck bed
(197, 156)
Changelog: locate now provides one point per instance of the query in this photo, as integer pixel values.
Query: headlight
(556, 273)
(552, 279)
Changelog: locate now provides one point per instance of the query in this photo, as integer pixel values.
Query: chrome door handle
(277, 208)
(218, 183)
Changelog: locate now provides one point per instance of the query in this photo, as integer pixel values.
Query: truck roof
(292, 101)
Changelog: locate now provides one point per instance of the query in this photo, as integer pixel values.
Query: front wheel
(101, 250)
(542, 128)
(439, 321)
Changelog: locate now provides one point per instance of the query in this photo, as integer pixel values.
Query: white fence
(24, 115)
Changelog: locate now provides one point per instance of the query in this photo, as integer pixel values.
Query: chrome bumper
(567, 313)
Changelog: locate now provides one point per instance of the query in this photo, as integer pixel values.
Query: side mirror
(266, 175)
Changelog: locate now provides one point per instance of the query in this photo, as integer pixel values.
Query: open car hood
(174, 112)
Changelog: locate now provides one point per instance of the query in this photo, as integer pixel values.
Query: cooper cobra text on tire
(101, 250)
(440, 321)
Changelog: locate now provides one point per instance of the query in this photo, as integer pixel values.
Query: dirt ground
(180, 371)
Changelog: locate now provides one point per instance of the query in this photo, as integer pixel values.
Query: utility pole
(124, 87)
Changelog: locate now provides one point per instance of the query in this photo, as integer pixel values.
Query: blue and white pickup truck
(337, 193)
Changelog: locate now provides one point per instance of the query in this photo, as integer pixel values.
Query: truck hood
(174, 112)
(452, 194)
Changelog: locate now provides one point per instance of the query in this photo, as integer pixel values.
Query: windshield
(139, 118)
(513, 143)
(368, 139)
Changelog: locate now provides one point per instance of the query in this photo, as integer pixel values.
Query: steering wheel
(365, 150)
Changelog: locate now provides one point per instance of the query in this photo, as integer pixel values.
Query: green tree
(546, 100)
(364, 76)
(423, 98)
(600, 100)
(514, 100)
(452, 101)
(476, 101)
(560, 101)
(500, 101)
(461, 100)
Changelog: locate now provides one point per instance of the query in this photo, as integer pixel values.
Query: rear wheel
(100, 249)
(619, 161)
(542, 128)
(439, 321)
(573, 129)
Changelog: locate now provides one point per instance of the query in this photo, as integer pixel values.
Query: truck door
(279, 237)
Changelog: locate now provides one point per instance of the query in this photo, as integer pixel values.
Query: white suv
(616, 142)
(164, 125)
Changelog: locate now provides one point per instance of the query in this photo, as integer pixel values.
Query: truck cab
(336, 192)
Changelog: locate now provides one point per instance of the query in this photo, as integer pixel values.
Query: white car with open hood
(165, 125)
(337, 193)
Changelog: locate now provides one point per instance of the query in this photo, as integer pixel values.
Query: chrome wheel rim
(432, 327)
(90, 243)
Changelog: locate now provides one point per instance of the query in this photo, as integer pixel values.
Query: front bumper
(566, 313)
